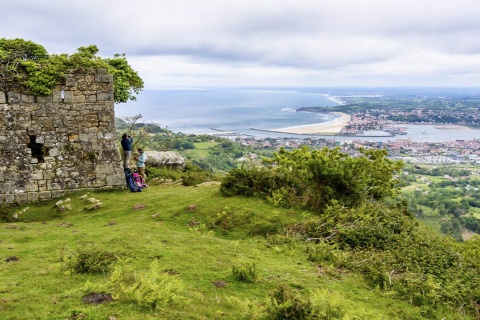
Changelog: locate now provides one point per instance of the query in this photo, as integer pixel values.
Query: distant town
(382, 115)
(459, 151)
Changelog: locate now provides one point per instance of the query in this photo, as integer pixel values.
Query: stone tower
(56, 144)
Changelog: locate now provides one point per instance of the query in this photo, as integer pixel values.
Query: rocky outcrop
(162, 159)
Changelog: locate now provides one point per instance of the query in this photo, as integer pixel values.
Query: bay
(241, 110)
(209, 110)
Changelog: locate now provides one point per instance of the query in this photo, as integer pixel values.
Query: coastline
(334, 99)
(331, 127)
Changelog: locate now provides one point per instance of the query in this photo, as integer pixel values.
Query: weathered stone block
(8, 187)
(105, 96)
(44, 195)
(21, 198)
(80, 99)
(31, 187)
(103, 169)
(44, 99)
(68, 97)
(14, 97)
(28, 98)
(48, 175)
(116, 180)
(57, 95)
(58, 193)
(54, 186)
(2, 98)
(107, 78)
(37, 175)
(32, 196)
(8, 198)
(70, 81)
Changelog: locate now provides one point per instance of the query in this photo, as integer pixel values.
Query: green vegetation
(176, 252)
(25, 65)
(444, 197)
(210, 153)
(317, 178)
(190, 175)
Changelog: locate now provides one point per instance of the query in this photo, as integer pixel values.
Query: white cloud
(301, 42)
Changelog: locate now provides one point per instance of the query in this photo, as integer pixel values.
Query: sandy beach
(328, 128)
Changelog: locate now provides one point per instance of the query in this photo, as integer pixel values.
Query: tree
(25, 65)
(16, 59)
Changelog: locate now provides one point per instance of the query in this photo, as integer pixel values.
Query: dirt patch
(111, 223)
(65, 224)
(97, 298)
(171, 272)
(138, 206)
(192, 207)
(13, 258)
(219, 283)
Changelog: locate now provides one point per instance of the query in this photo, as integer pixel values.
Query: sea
(255, 111)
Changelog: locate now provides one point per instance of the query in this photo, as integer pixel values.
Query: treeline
(439, 171)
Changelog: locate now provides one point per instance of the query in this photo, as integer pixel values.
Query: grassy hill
(181, 253)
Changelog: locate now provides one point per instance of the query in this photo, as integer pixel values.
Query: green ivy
(25, 65)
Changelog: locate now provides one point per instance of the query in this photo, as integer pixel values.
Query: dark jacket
(127, 144)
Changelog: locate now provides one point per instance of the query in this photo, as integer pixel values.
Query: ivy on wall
(27, 66)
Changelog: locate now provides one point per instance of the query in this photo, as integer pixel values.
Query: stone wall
(53, 145)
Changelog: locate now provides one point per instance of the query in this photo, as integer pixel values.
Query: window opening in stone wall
(38, 149)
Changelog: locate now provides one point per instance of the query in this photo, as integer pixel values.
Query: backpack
(131, 181)
(139, 180)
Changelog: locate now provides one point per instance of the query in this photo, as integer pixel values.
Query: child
(139, 180)
(141, 157)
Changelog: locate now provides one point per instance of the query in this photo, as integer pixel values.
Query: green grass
(200, 151)
(175, 226)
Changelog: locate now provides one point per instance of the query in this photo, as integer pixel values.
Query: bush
(153, 289)
(163, 173)
(6, 212)
(315, 179)
(191, 175)
(284, 303)
(88, 260)
(245, 273)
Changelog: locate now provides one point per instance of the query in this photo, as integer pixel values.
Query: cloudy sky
(314, 43)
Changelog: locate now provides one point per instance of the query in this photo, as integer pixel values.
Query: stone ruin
(54, 145)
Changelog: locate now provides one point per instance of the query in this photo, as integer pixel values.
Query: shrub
(191, 175)
(154, 289)
(317, 178)
(88, 260)
(245, 273)
(284, 303)
(6, 212)
(163, 173)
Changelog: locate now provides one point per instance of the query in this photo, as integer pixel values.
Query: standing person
(141, 158)
(127, 149)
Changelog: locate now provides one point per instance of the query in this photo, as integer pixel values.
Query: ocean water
(240, 110)
(231, 110)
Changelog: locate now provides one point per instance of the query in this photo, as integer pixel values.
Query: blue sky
(314, 43)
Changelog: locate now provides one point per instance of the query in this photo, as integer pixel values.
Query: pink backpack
(139, 180)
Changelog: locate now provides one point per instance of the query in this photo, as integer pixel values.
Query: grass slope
(175, 226)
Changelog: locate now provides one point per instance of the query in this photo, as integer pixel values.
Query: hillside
(218, 258)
